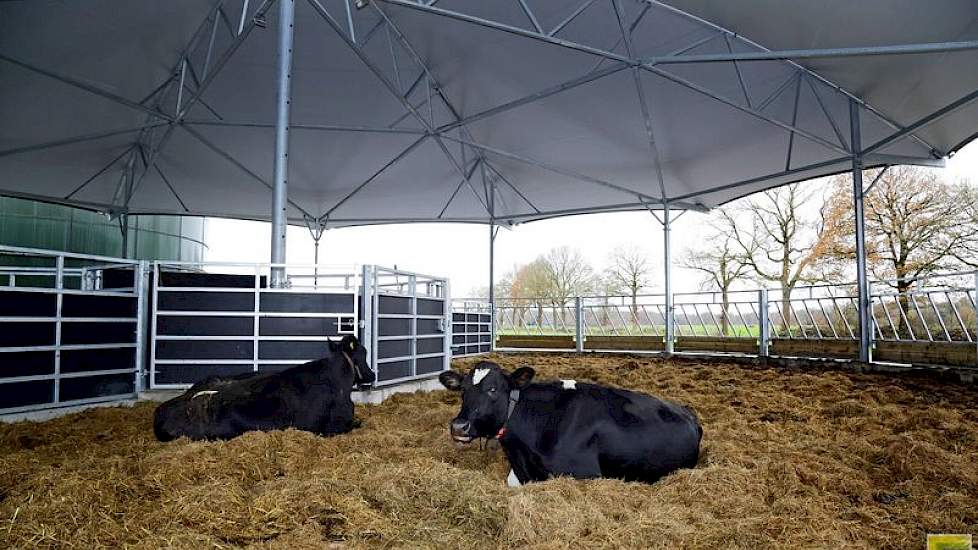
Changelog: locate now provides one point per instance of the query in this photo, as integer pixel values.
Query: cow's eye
(492, 390)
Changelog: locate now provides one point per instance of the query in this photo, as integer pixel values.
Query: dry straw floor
(794, 459)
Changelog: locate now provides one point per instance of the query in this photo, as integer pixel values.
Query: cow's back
(648, 437)
(623, 434)
(221, 408)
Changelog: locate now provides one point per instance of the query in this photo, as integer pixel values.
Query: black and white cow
(314, 397)
(573, 429)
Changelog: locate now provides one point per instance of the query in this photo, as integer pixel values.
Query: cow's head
(485, 398)
(354, 359)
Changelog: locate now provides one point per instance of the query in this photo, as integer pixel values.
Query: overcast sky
(460, 251)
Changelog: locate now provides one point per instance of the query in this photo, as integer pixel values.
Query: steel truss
(202, 59)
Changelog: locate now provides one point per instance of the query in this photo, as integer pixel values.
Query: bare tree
(630, 272)
(569, 274)
(916, 224)
(531, 286)
(785, 238)
(722, 263)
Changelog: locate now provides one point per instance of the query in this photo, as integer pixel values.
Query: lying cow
(573, 429)
(314, 397)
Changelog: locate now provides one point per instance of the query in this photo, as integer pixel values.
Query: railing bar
(828, 320)
(818, 331)
(957, 316)
(889, 319)
(624, 325)
(905, 317)
(920, 316)
(940, 319)
(713, 317)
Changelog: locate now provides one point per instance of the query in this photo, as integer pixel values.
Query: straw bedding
(793, 458)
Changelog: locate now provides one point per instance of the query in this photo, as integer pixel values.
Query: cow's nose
(461, 427)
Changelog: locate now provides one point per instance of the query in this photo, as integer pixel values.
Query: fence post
(59, 285)
(367, 316)
(872, 321)
(579, 324)
(141, 287)
(764, 337)
(447, 324)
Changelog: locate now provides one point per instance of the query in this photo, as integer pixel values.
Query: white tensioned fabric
(464, 110)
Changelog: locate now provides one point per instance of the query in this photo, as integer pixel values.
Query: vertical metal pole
(59, 285)
(124, 228)
(375, 307)
(139, 285)
(152, 329)
(975, 305)
(492, 287)
(579, 324)
(667, 267)
(447, 325)
(315, 261)
(280, 194)
(413, 290)
(256, 321)
(366, 321)
(764, 340)
(862, 283)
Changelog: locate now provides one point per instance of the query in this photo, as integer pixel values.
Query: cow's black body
(579, 430)
(314, 397)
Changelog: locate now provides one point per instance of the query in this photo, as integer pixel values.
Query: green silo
(34, 224)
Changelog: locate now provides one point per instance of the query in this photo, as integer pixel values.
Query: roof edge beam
(880, 158)
(787, 55)
(760, 179)
(920, 123)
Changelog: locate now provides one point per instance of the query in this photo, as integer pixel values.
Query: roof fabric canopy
(472, 111)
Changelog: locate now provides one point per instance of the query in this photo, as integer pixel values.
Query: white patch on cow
(569, 384)
(479, 375)
(512, 480)
(205, 392)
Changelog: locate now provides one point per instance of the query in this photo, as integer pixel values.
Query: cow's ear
(333, 346)
(451, 380)
(521, 377)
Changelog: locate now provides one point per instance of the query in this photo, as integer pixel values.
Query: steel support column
(862, 282)
(492, 285)
(667, 272)
(124, 228)
(280, 194)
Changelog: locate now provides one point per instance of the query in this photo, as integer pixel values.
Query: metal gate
(70, 329)
(471, 327)
(206, 323)
(408, 315)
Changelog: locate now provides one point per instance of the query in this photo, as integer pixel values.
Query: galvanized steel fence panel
(70, 329)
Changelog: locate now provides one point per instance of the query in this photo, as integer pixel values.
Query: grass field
(631, 330)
